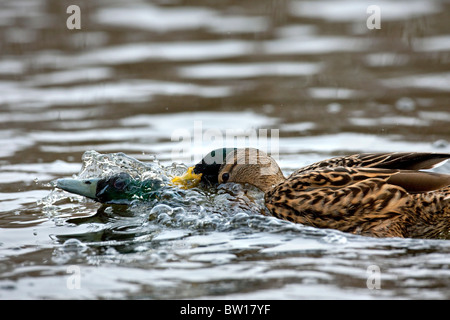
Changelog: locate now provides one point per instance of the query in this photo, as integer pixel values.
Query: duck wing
(419, 181)
(402, 160)
(403, 164)
(392, 160)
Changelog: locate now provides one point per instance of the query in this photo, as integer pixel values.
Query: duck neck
(252, 166)
(268, 182)
(265, 177)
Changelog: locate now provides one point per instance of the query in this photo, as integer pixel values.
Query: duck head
(119, 189)
(252, 166)
(206, 171)
(244, 165)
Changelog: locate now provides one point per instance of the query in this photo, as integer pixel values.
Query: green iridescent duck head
(119, 189)
(122, 188)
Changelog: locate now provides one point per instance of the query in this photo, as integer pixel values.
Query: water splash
(97, 165)
(221, 208)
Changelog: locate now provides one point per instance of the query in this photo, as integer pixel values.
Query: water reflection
(138, 76)
(159, 19)
(248, 70)
(353, 11)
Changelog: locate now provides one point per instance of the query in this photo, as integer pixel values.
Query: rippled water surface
(148, 87)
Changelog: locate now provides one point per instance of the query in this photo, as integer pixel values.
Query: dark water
(167, 81)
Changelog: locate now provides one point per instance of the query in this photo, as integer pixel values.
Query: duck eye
(119, 184)
(225, 177)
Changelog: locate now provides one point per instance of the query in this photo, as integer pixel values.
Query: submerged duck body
(380, 195)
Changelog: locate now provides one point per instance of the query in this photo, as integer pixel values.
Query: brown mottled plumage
(380, 195)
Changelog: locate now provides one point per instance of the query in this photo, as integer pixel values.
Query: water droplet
(240, 218)
(179, 211)
(161, 209)
(73, 245)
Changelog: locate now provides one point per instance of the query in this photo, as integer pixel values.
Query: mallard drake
(123, 189)
(379, 195)
(117, 189)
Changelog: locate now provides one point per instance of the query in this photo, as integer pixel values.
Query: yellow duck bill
(188, 180)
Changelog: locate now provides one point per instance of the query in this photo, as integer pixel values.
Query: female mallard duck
(380, 195)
